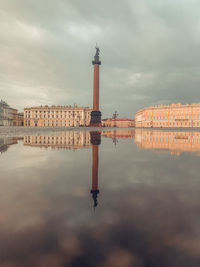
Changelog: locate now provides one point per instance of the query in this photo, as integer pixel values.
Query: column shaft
(96, 88)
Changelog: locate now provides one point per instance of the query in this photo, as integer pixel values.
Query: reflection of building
(118, 122)
(69, 139)
(62, 116)
(119, 133)
(95, 141)
(73, 140)
(174, 141)
(96, 114)
(175, 115)
(9, 116)
(5, 142)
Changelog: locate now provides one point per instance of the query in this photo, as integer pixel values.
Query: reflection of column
(95, 141)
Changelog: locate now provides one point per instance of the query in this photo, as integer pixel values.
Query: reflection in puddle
(6, 142)
(173, 141)
(95, 141)
(147, 205)
(68, 139)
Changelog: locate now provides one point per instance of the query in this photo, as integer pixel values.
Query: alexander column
(96, 113)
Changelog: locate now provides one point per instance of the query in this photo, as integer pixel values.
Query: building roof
(57, 107)
(174, 105)
(3, 103)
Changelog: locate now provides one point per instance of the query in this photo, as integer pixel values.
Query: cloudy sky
(149, 52)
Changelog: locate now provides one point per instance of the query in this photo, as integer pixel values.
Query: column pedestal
(95, 118)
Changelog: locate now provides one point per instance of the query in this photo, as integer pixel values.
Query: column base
(95, 118)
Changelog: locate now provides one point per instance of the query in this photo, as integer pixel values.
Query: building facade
(57, 116)
(169, 116)
(1, 114)
(9, 116)
(19, 119)
(118, 122)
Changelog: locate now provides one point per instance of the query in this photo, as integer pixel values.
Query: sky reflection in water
(148, 204)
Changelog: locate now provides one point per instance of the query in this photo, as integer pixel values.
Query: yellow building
(169, 116)
(57, 116)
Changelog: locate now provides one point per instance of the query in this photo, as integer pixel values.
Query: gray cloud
(149, 52)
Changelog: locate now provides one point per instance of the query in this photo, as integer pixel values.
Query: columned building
(57, 116)
(10, 116)
(169, 116)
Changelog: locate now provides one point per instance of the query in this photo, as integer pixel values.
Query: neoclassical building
(10, 116)
(57, 116)
(169, 116)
